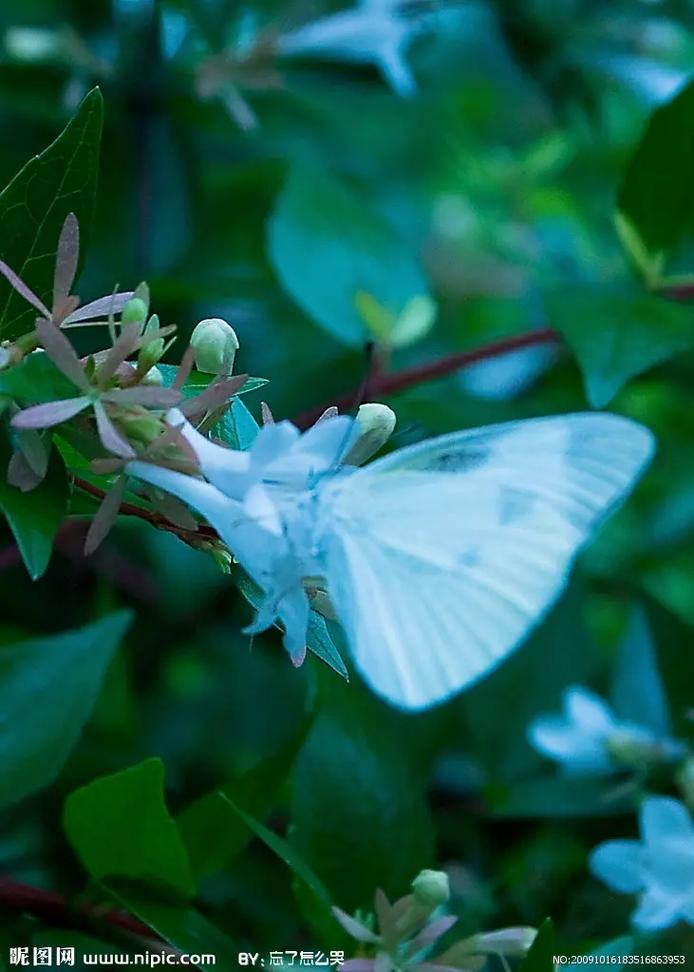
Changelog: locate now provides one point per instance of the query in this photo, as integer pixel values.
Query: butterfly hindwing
(441, 557)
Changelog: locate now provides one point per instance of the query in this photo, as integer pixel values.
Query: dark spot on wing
(470, 558)
(514, 505)
(453, 461)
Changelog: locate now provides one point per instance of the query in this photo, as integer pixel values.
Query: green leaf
(616, 336)
(285, 851)
(48, 687)
(237, 428)
(179, 925)
(656, 193)
(213, 836)
(35, 516)
(359, 816)
(119, 826)
(638, 694)
(327, 246)
(318, 640)
(197, 381)
(33, 207)
(540, 957)
(35, 379)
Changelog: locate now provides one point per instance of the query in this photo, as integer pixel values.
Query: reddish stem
(156, 519)
(57, 910)
(388, 384)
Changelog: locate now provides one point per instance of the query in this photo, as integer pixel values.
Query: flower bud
(431, 888)
(153, 377)
(215, 344)
(152, 351)
(638, 749)
(134, 312)
(140, 425)
(376, 423)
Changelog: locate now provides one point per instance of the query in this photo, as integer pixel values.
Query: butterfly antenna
(359, 398)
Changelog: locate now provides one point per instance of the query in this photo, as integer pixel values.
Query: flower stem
(385, 384)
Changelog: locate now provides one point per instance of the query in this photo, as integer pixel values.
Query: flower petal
(216, 394)
(147, 395)
(558, 739)
(50, 413)
(111, 439)
(227, 469)
(656, 910)
(587, 710)
(105, 517)
(61, 353)
(66, 259)
(620, 864)
(101, 307)
(123, 347)
(664, 819)
(210, 502)
(354, 928)
(21, 288)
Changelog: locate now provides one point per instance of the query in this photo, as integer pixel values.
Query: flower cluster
(659, 867)
(402, 936)
(110, 406)
(589, 738)
(147, 428)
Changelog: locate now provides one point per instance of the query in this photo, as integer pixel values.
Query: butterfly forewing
(441, 557)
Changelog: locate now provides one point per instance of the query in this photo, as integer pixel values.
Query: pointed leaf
(656, 191)
(58, 676)
(119, 826)
(33, 207)
(326, 245)
(616, 335)
(34, 517)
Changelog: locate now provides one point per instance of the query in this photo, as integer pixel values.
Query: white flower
(589, 738)
(372, 32)
(259, 502)
(659, 867)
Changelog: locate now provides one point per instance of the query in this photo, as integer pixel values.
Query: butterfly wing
(441, 557)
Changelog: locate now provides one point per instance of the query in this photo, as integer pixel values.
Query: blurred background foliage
(268, 189)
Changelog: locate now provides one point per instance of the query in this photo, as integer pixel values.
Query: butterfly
(439, 559)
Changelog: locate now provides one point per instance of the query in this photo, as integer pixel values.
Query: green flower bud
(134, 312)
(431, 888)
(215, 344)
(376, 423)
(151, 352)
(153, 377)
(140, 425)
(632, 749)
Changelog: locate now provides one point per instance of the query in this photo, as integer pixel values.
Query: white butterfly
(439, 559)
